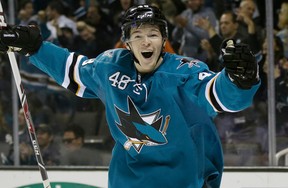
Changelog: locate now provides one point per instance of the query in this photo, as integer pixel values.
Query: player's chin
(148, 62)
(146, 67)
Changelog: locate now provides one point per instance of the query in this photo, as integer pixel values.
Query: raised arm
(234, 87)
(60, 64)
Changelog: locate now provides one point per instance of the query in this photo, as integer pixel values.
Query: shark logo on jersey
(141, 130)
(190, 63)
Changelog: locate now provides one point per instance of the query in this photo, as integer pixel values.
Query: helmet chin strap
(134, 57)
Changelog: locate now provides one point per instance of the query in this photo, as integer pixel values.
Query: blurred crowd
(89, 27)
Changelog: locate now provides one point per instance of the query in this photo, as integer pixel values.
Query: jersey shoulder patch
(190, 62)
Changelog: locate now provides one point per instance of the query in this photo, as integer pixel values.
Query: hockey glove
(23, 39)
(240, 64)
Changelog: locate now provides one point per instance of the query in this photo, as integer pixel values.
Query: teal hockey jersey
(162, 122)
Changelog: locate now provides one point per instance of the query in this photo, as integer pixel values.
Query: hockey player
(159, 106)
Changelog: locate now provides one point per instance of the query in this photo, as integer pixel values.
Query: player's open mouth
(147, 54)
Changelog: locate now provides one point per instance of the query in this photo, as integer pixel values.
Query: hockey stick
(24, 103)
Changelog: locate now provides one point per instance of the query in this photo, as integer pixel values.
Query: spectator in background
(80, 10)
(99, 19)
(40, 4)
(26, 14)
(247, 25)
(261, 95)
(283, 26)
(32, 77)
(74, 152)
(116, 11)
(187, 34)
(171, 8)
(91, 41)
(228, 30)
(49, 149)
(57, 18)
(281, 82)
(282, 97)
(66, 38)
(161, 5)
(219, 6)
(26, 153)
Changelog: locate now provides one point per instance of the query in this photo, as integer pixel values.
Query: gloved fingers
(231, 57)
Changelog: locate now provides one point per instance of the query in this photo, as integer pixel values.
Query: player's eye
(136, 37)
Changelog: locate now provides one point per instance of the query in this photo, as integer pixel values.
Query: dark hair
(60, 6)
(56, 5)
(44, 128)
(23, 3)
(76, 129)
(233, 15)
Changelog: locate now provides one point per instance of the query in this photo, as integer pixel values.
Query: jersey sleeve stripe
(212, 97)
(72, 79)
(73, 86)
(81, 87)
(66, 81)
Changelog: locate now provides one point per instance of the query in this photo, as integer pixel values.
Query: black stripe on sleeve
(213, 99)
(73, 86)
